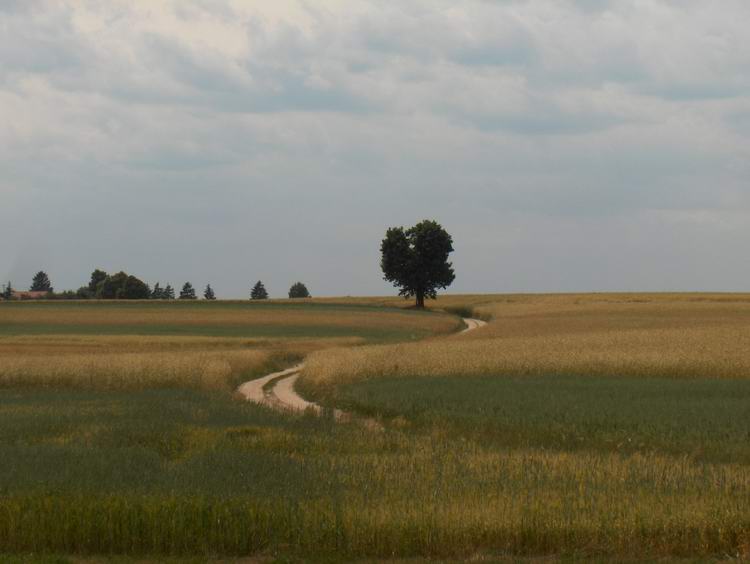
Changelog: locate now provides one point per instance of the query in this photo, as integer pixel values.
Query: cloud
(172, 138)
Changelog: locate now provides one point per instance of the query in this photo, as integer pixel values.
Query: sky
(566, 145)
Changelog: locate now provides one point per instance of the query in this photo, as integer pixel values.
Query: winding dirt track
(277, 390)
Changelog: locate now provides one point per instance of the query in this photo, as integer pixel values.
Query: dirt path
(277, 390)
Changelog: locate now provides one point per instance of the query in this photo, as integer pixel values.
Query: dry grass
(672, 335)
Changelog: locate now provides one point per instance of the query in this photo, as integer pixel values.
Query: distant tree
(7, 291)
(134, 289)
(109, 287)
(64, 295)
(168, 293)
(258, 292)
(208, 293)
(157, 293)
(84, 293)
(416, 260)
(188, 292)
(122, 286)
(41, 282)
(298, 290)
(97, 277)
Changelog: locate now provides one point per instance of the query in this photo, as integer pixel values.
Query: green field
(706, 420)
(210, 319)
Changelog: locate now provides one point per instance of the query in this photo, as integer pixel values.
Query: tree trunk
(420, 299)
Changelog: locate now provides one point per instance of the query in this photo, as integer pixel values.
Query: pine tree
(41, 282)
(168, 293)
(7, 291)
(258, 292)
(208, 293)
(298, 290)
(157, 293)
(188, 292)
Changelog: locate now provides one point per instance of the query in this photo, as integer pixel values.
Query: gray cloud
(566, 145)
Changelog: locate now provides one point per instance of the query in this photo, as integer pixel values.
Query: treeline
(124, 286)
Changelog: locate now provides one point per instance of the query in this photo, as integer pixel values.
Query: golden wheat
(203, 370)
(630, 335)
(61, 357)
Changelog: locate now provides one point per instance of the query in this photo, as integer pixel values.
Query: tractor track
(277, 390)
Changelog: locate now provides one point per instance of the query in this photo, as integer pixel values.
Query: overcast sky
(566, 145)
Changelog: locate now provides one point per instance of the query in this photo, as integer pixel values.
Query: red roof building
(28, 295)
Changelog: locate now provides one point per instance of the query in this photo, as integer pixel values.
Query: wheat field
(17, 318)
(592, 426)
(203, 346)
(664, 335)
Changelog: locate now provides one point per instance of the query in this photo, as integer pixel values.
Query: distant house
(29, 295)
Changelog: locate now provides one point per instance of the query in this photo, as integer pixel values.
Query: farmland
(592, 425)
(199, 345)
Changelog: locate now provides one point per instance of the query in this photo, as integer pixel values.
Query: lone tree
(41, 282)
(298, 290)
(7, 291)
(188, 292)
(416, 260)
(208, 293)
(258, 292)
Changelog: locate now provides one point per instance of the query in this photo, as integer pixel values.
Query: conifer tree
(258, 292)
(168, 293)
(157, 293)
(208, 293)
(41, 282)
(188, 292)
(8, 291)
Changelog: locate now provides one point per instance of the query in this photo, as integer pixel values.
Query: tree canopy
(188, 292)
(298, 290)
(41, 282)
(122, 286)
(258, 292)
(416, 260)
